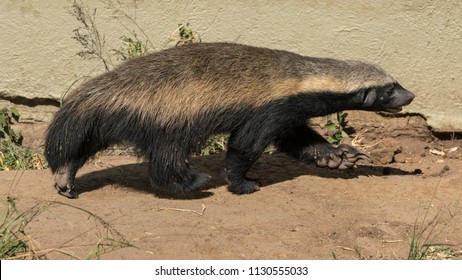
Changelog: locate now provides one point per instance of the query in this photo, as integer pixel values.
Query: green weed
(132, 47)
(336, 129)
(215, 144)
(12, 154)
(94, 43)
(126, 19)
(15, 243)
(186, 35)
(219, 143)
(422, 245)
(88, 35)
(440, 252)
(7, 132)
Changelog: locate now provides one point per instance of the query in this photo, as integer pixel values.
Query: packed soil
(301, 212)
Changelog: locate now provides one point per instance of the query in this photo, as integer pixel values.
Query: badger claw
(68, 191)
(342, 157)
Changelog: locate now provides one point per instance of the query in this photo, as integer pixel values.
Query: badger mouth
(394, 110)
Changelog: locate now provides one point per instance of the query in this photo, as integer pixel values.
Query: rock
(384, 152)
(400, 158)
(383, 156)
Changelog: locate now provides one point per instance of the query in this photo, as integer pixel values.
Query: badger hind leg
(244, 148)
(194, 182)
(307, 145)
(171, 172)
(237, 165)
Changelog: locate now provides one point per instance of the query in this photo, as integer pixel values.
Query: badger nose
(410, 96)
(405, 95)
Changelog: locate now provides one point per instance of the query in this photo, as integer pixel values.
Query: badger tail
(68, 138)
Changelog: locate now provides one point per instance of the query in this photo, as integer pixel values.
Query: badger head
(376, 89)
(390, 98)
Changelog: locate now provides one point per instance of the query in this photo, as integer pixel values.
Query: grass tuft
(17, 243)
(425, 234)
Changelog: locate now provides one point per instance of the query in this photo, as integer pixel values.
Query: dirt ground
(301, 212)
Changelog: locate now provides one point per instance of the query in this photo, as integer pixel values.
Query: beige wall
(419, 42)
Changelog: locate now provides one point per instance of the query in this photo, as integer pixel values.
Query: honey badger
(166, 104)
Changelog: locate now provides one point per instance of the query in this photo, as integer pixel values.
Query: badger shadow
(268, 170)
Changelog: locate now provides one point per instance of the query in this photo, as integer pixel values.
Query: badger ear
(370, 95)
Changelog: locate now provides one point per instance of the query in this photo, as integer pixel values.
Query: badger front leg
(307, 145)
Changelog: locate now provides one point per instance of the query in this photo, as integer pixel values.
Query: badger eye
(389, 91)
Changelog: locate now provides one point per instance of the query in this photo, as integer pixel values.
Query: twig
(201, 213)
(356, 142)
(392, 241)
(346, 248)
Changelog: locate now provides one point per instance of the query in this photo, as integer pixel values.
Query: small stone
(400, 158)
(383, 156)
(385, 151)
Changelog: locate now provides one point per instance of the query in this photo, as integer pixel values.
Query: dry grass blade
(201, 213)
(346, 248)
(392, 241)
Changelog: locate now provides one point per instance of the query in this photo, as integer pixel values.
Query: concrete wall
(419, 42)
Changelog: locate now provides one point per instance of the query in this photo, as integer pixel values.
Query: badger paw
(196, 182)
(68, 191)
(64, 186)
(244, 186)
(341, 157)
